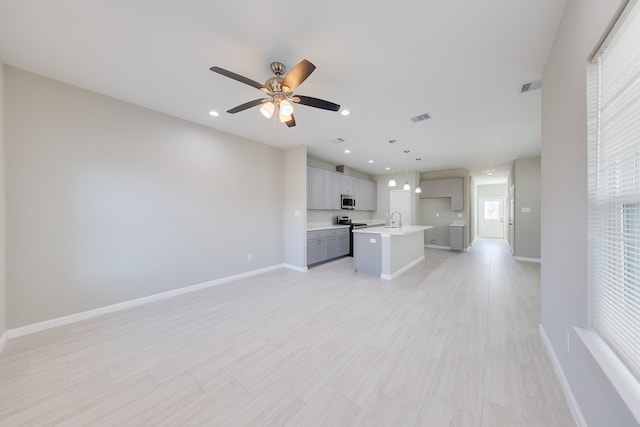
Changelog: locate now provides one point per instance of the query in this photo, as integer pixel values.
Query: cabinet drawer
(316, 234)
(338, 232)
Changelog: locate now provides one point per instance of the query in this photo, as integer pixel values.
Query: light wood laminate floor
(452, 342)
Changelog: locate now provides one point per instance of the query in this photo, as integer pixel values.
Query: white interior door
(401, 202)
(491, 217)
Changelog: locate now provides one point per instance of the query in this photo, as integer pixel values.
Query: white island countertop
(393, 231)
(387, 252)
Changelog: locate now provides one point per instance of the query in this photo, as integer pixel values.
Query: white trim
(437, 247)
(522, 258)
(402, 270)
(84, 315)
(295, 268)
(566, 389)
(3, 340)
(622, 380)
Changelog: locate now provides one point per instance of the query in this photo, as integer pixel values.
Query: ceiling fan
(280, 91)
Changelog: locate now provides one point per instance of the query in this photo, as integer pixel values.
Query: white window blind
(614, 189)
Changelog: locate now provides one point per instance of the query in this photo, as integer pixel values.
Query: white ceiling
(461, 61)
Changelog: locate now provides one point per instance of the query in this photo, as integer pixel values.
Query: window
(614, 189)
(491, 209)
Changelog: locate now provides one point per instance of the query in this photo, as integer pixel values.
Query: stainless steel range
(347, 221)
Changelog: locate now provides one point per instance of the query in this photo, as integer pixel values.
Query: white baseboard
(402, 270)
(521, 258)
(3, 341)
(566, 389)
(295, 268)
(437, 247)
(84, 315)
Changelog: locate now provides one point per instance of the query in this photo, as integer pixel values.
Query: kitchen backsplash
(319, 216)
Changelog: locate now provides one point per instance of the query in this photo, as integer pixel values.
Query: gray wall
(107, 201)
(564, 207)
(295, 206)
(439, 235)
(3, 270)
(492, 190)
(527, 195)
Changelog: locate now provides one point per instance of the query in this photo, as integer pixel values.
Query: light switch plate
(372, 240)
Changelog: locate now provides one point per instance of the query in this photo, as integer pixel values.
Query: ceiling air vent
(528, 87)
(337, 140)
(420, 118)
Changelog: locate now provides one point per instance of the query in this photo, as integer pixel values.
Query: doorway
(491, 217)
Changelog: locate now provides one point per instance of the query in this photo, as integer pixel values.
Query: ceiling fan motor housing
(274, 84)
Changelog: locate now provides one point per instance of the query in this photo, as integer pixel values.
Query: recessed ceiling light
(345, 112)
(347, 151)
(214, 113)
(370, 161)
(387, 168)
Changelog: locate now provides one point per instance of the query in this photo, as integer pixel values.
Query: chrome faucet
(393, 222)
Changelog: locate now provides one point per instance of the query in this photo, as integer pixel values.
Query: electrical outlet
(437, 214)
(249, 256)
(567, 337)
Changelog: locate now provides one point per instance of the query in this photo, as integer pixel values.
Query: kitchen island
(387, 252)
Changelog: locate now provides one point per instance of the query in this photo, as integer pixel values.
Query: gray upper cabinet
(325, 187)
(332, 190)
(428, 189)
(315, 188)
(443, 188)
(366, 195)
(346, 184)
(448, 187)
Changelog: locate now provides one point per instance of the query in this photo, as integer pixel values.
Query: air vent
(337, 140)
(528, 87)
(420, 118)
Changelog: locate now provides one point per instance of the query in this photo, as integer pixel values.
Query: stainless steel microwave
(347, 201)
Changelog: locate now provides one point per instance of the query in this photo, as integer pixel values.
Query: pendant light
(406, 187)
(392, 181)
(418, 189)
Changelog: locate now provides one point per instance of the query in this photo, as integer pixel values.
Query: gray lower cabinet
(316, 246)
(323, 245)
(456, 236)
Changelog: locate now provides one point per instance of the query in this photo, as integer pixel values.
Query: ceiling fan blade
(238, 77)
(298, 74)
(315, 102)
(247, 105)
(291, 122)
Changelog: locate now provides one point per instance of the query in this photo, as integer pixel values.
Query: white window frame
(614, 190)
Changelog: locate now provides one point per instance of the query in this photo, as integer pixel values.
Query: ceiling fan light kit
(267, 109)
(280, 91)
